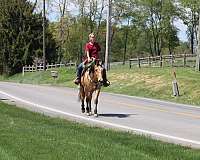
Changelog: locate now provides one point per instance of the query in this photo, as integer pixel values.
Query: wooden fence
(34, 68)
(181, 60)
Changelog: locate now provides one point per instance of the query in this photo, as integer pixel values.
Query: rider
(92, 49)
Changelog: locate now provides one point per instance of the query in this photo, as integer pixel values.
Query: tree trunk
(198, 49)
(192, 40)
(125, 46)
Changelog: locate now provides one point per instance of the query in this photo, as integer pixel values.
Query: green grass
(26, 135)
(156, 83)
(65, 77)
(144, 82)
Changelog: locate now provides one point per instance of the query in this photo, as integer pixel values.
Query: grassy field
(156, 83)
(145, 82)
(26, 135)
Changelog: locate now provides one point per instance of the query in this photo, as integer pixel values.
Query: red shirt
(93, 50)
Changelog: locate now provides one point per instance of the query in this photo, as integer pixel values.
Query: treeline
(21, 36)
(139, 28)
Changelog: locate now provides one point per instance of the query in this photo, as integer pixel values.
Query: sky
(182, 30)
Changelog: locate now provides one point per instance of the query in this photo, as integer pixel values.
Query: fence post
(70, 65)
(149, 61)
(172, 60)
(175, 88)
(139, 62)
(161, 61)
(184, 60)
(33, 69)
(23, 71)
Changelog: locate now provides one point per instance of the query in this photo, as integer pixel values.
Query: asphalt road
(162, 120)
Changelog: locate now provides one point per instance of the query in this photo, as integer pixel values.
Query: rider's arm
(88, 55)
(87, 52)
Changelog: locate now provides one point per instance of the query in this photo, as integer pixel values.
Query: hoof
(88, 114)
(95, 115)
(83, 110)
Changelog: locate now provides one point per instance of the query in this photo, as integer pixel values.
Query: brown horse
(91, 81)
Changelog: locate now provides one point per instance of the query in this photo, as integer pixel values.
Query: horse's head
(98, 73)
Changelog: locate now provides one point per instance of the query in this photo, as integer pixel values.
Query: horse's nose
(101, 81)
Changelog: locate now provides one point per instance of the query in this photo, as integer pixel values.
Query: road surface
(170, 122)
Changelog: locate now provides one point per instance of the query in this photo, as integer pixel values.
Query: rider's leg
(106, 83)
(79, 72)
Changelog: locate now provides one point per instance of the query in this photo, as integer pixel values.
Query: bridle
(97, 83)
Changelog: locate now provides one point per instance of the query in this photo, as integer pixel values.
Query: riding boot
(106, 83)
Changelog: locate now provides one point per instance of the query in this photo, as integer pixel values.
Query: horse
(91, 81)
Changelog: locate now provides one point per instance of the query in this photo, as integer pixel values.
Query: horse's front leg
(88, 106)
(96, 102)
(82, 106)
(88, 101)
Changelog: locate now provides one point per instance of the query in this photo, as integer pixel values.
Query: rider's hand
(89, 59)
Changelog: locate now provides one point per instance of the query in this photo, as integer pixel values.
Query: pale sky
(182, 30)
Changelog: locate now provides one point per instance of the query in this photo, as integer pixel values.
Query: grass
(26, 135)
(65, 77)
(144, 82)
(156, 83)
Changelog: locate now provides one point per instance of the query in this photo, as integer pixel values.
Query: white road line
(104, 122)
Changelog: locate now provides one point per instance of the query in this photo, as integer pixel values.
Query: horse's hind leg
(82, 97)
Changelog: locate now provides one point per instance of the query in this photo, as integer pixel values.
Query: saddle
(88, 66)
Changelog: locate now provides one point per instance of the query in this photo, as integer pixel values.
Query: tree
(190, 10)
(21, 35)
(198, 49)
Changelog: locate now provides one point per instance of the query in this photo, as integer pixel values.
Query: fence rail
(34, 68)
(183, 60)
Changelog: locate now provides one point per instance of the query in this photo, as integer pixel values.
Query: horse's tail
(79, 94)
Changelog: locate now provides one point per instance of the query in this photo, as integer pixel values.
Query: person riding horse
(92, 49)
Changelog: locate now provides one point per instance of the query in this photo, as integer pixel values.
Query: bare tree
(100, 16)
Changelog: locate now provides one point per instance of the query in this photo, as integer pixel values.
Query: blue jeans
(79, 70)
